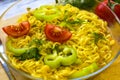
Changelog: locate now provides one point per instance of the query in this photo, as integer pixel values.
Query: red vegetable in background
(116, 9)
(57, 34)
(17, 30)
(103, 10)
(114, 6)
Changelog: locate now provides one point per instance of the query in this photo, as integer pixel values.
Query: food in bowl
(59, 42)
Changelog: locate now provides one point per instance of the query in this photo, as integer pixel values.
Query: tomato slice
(17, 30)
(57, 34)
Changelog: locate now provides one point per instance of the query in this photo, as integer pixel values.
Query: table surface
(111, 73)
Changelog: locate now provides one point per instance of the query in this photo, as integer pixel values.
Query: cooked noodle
(82, 40)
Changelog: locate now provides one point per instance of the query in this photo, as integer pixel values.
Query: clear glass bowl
(18, 8)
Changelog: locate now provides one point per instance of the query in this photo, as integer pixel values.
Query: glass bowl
(11, 15)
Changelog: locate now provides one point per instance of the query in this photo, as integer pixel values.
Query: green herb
(97, 37)
(56, 1)
(29, 54)
(69, 24)
(77, 21)
(36, 42)
(118, 1)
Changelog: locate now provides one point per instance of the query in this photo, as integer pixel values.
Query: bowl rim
(80, 78)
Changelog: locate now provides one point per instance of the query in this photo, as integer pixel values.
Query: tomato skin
(114, 6)
(104, 12)
(117, 10)
(57, 34)
(17, 30)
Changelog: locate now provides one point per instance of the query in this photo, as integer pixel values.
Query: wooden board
(3, 75)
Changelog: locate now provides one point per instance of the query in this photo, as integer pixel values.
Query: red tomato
(117, 10)
(17, 30)
(57, 34)
(114, 6)
(104, 12)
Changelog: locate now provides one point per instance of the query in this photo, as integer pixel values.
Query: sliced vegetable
(17, 30)
(30, 54)
(68, 57)
(85, 71)
(53, 60)
(47, 13)
(16, 52)
(23, 53)
(57, 34)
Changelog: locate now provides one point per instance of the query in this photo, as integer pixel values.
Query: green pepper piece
(47, 13)
(71, 56)
(53, 61)
(17, 52)
(87, 70)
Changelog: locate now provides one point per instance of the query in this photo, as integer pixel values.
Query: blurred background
(4, 4)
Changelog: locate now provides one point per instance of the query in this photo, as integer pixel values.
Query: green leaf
(82, 4)
(97, 37)
(36, 42)
(29, 54)
(118, 1)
